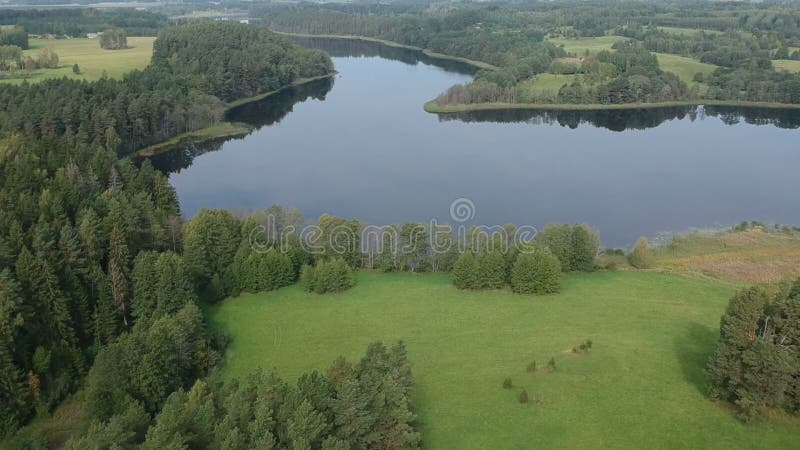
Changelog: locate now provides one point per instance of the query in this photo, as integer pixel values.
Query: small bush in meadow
(507, 384)
(523, 396)
(328, 276)
(640, 256)
(551, 365)
(532, 367)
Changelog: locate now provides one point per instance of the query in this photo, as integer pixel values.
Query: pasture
(91, 59)
(643, 380)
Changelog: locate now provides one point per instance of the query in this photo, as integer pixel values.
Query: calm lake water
(361, 146)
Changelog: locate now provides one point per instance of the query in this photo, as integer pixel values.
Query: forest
(527, 41)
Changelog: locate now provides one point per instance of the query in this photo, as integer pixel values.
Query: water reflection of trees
(268, 111)
(633, 119)
(361, 48)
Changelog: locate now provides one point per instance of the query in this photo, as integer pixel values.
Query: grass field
(788, 65)
(642, 383)
(546, 84)
(92, 59)
(753, 256)
(684, 67)
(579, 46)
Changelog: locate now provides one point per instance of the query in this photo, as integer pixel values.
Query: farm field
(684, 67)
(579, 46)
(643, 380)
(788, 65)
(92, 59)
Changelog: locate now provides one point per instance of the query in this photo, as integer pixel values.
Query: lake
(360, 146)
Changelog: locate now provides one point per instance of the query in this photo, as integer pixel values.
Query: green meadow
(685, 68)
(643, 380)
(92, 60)
(788, 65)
(579, 46)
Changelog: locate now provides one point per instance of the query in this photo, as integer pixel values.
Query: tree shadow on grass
(694, 348)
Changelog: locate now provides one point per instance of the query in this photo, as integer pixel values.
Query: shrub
(536, 272)
(507, 383)
(584, 347)
(465, 272)
(640, 256)
(523, 396)
(551, 365)
(491, 270)
(532, 367)
(333, 275)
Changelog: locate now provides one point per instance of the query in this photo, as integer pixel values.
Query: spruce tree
(491, 270)
(466, 272)
(536, 271)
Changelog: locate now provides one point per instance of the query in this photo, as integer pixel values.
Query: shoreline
(434, 108)
(430, 53)
(221, 130)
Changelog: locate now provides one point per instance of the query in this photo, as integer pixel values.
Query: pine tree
(738, 329)
(145, 287)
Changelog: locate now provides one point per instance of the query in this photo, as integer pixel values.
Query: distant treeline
(76, 22)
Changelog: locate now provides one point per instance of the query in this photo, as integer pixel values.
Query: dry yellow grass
(753, 256)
